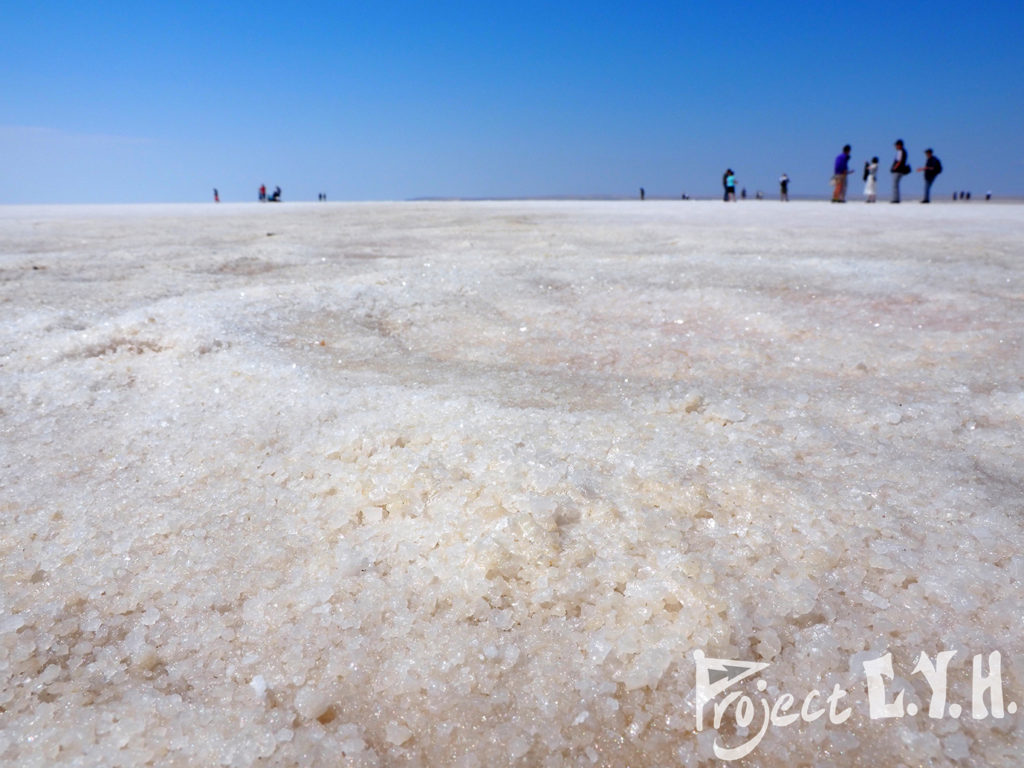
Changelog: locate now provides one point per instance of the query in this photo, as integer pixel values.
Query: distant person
(932, 167)
(216, 195)
(842, 170)
(263, 193)
(743, 193)
(968, 194)
(725, 184)
(642, 193)
(988, 195)
(871, 180)
(784, 188)
(899, 169)
(276, 197)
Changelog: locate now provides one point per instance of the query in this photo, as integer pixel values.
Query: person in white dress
(871, 180)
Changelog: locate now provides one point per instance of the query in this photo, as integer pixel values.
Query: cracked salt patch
(468, 484)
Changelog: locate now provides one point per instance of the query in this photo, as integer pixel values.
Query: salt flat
(469, 484)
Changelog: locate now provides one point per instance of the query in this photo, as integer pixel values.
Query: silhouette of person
(932, 167)
(898, 169)
(842, 170)
(730, 186)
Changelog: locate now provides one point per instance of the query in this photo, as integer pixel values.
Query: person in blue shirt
(730, 186)
(842, 170)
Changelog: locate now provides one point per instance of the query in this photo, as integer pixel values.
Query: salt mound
(470, 484)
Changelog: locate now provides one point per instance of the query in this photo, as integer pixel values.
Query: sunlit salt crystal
(875, 599)
(259, 685)
(726, 412)
(11, 623)
(502, 619)
(541, 506)
(352, 745)
(372, 515)
(518, 746)
(396, 733)
(599, 649)
(647, 669)
(312, 702)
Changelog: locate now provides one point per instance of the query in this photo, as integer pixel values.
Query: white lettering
(834, 717)
(782, 705)
(875, 670)
(744, 749)
(935, 674)
(805, 714)
(992, 682)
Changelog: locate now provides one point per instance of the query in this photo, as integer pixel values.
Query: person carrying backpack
(899, 168)
(932, 167)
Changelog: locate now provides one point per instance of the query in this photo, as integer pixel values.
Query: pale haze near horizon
(121, 103)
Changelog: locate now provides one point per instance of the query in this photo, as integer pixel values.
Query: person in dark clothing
(899, 168)
(730, 186)
(931, 168)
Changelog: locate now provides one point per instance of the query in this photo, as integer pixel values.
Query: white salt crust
(466, 484)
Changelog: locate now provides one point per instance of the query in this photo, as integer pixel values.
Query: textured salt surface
(468, 484)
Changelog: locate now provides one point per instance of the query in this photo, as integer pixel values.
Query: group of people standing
(274, 198)
(900, 167)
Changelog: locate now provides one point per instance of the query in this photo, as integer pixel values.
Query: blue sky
(151, 102)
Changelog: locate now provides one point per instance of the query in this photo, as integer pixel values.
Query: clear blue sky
(138, 101)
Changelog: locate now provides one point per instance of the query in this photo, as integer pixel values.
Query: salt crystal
(396, 733)
(259, 685)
